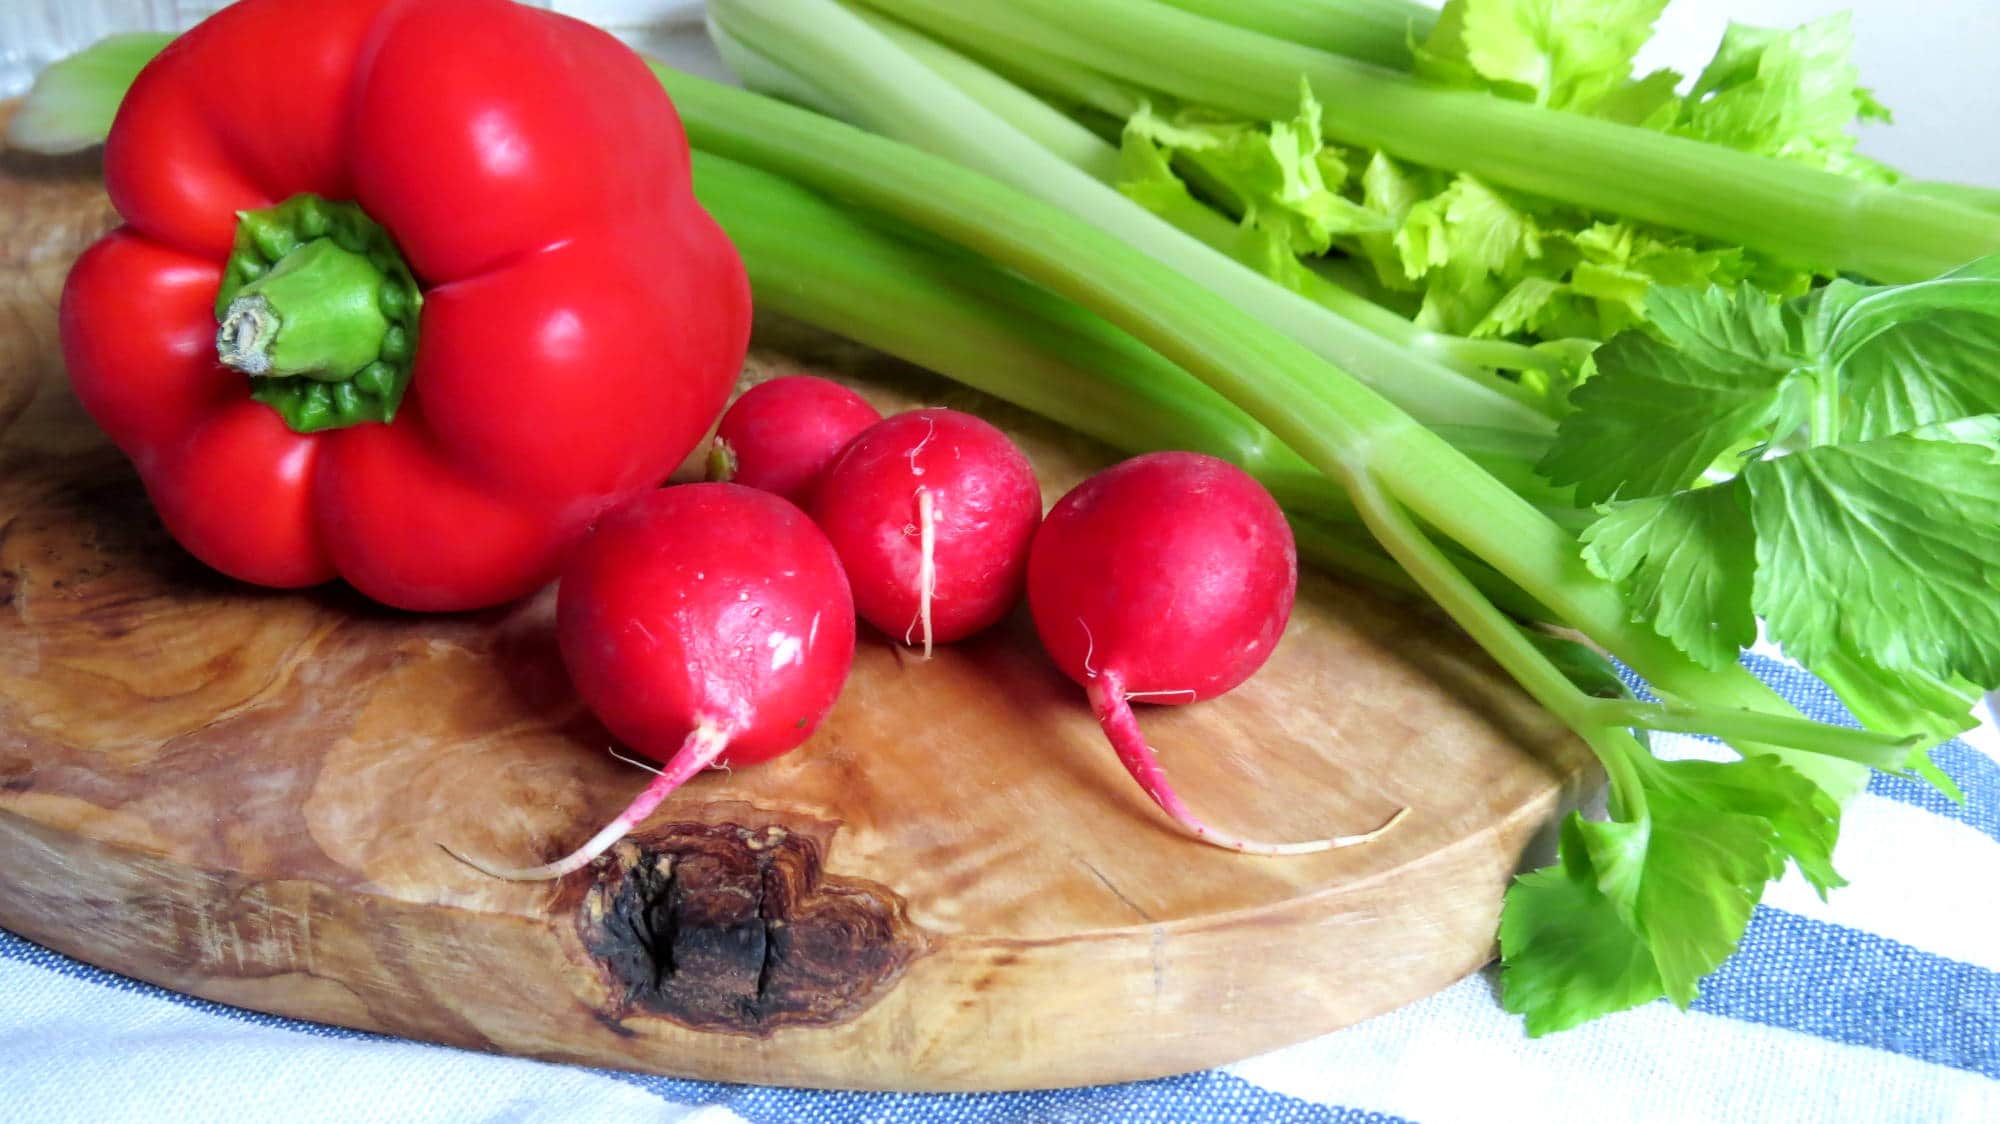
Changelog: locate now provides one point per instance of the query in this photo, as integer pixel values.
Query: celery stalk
(74, 99)
(1794, 214)
(1376, 31)
(863, 73)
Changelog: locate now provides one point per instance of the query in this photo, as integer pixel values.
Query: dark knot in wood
(736, 930)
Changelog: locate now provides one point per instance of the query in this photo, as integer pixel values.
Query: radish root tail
(1114, 713)
(698, 752)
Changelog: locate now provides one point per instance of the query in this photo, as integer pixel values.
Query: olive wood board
(240, 794)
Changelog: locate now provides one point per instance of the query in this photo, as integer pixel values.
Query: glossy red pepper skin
(583, 319)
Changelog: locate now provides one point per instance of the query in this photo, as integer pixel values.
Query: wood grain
(240, 794)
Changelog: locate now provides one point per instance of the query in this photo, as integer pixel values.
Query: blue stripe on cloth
(1850, 986)
(1213, 1096)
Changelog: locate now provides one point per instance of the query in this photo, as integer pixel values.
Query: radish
(706, 624)
(780, 436)
(1166, 578)
(931, 512)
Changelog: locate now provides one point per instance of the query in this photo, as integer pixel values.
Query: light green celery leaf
(1690, 877)
(1564, 54)
(1390, 190)
(1718, 328)
(1636, 909)
(1791, 94)
(1936, 708)
(1912, 355)
(1458, 308)
(1803, 818)
(1575, 361)
(1468, 245)
(1567, 955)
(1687, 562)
(1931, 370)
(1617, 266)
(1617, 294)
(1147, 178)
(1335, 169)
(1526, 308)
(1652, 102)
(1885, 550)
(1467, 231)
(1184, 133)
(1441, 58)
(1144, 168)
(1683, 264)
(1659, 412)
(1849, 316)
(1280, 176)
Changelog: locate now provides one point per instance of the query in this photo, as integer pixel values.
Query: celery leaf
(1568, 956)
(1867, 541)
(1914, 355)
(1790, 94)
(1660, 411)
(1687, 564)
(1564, 54)
(1645, 906)
(1282, 178)
(1887, 550)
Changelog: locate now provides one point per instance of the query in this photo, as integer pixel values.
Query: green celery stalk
(74, 99)
(1794, 214)
(869, 79)
(1375, 31)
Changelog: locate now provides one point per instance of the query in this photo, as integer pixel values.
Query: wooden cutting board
(240, 794)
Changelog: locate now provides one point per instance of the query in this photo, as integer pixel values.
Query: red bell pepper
(407, 292)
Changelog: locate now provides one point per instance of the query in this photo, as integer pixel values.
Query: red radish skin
(932, 512)
(781, 435)
(1166, 578)
(706, 624)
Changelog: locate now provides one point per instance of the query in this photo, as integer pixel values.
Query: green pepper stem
(318, 307)
(316, 313)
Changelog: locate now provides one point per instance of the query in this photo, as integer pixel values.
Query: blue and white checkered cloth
(1882, 1005)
